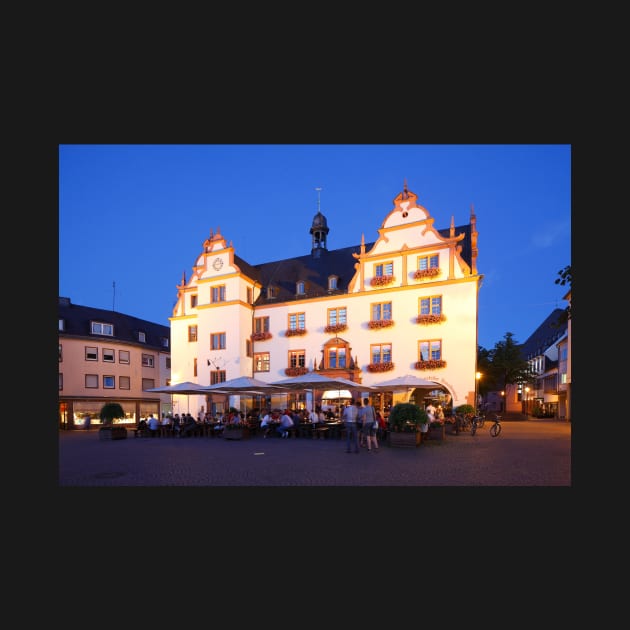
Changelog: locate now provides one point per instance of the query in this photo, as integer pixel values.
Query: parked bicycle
(476, 422)
(495, 429)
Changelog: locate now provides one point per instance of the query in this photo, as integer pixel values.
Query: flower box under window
(379, 281)
(335, 328)
(431, 318)
(292, 332)
(386, 366)
(431, 364)
(261, 336)
(380, 323)
(426, 273)
(296, 371)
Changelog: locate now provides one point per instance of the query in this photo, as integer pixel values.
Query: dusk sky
(137, 215)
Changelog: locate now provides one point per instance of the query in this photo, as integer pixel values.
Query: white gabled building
(405, 303)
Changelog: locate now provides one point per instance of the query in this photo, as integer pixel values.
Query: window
(217, 341)
(192, 333)
(299, 288)
(261, 362)
(248, 347)
(297, 321)
(148, 360)
(124, 382)
(193, 300)
(332, 283)
(99, 328)
(431, 305)
(384, 269)
(91, 381)
(195, 366)
(430, 349)
(381, 311)
(217, 376)
(336, 356)
(271, 292)
(148, 383)
(109, 382)
(261, 324)
(109, 356)
(142, 336)
(91, 353)
(62, 324)
(123, 356)
(429, 262)
(60, 353)
(337, 316)
(381, 352)
(250, 295)
(217, 294)
(168, 363)
(297, 358)
(164, 342)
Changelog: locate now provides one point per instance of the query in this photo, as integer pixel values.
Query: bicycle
(495, 429)
(475, 423)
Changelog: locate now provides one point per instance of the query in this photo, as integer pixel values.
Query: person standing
(154, 425)
(368, 418)
(349, 417)
(360, 423)
(87, 422)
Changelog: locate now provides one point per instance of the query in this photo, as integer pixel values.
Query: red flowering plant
(296, 371)
(431, 364)
(380, 323)
(431, 318)
(379, 281)
(385, 366)
(261, 336)
(292, 332)
(431, 272)
(335, 328)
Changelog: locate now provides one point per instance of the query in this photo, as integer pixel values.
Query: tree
(566, 277)
(508, 367)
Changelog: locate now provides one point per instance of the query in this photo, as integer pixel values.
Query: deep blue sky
(137, 215)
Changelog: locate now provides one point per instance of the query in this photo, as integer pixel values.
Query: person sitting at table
(313, 416)
(265, 422)
(154, 425)
(189, 426)
(285, 424)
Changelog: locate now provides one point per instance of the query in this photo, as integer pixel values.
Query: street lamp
(503, 402)
(477, 377)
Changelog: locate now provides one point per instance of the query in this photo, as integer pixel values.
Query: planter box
(112, 433)
(436, 433)
(404, 440)
(235, 434)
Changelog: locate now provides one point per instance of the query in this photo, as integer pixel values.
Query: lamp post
(477, 377)
(502, 401)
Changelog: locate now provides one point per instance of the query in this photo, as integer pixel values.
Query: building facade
(405, 303)
(105, 356)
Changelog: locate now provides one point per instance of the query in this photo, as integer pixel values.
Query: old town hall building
(405, 303)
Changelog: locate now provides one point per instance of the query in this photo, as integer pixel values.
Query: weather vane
(319, 190)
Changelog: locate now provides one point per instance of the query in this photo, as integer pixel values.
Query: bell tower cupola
(319, 230)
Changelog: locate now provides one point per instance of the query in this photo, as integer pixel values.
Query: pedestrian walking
(349, 417)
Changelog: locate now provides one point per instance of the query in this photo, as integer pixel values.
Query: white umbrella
(241, 385)
(314, 380)
(186, 388)
(408, 381)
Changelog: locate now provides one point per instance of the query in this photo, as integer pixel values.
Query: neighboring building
(106, 356)
(564, 371)
(544, 351)
(405, 303)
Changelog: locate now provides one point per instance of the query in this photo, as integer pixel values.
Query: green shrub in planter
(110, 412)
(407, 417)
(464, 409)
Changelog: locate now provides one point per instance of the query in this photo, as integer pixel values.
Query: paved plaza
(527, 453)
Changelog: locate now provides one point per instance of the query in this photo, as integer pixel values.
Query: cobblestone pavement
(527, 453)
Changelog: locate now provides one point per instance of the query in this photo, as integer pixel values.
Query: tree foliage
(565, 277)
(111, 411)
(503, 365)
